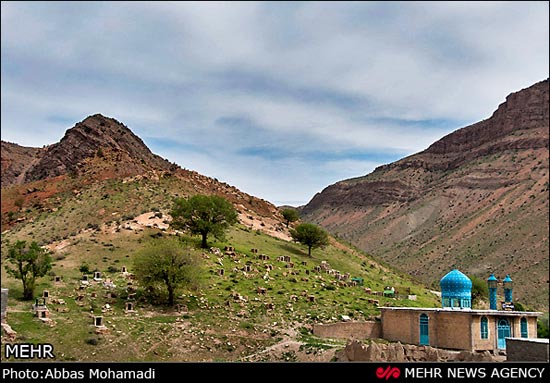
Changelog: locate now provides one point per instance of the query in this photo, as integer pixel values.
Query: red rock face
(477, 199)
(15, 159)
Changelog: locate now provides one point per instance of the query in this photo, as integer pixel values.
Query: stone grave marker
(98, 321)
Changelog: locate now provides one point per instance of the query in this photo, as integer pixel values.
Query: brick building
(456, 325)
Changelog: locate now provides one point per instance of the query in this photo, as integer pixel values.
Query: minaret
(492, 283)
(507, 288)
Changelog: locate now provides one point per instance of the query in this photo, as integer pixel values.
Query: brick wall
(400, 325)
(524, 350)
(454, 330)
(348, 330)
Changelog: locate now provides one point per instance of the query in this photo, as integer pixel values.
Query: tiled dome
(456, 285)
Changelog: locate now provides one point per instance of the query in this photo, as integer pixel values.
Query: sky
(280, 99)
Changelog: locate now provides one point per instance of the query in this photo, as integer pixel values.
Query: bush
(84, 268)
(542, 327)
(92, 341)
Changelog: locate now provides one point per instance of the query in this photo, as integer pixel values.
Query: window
(484, 328)
(523, 323)
(424, 330)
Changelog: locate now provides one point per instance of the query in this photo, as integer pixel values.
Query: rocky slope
(95, 136)
(476, 200)
(356, 351)
(15, 161)
(99, 149)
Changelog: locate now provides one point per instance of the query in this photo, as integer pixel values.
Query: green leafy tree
(290, 215)
(310, 235)
(166, 264)
(28, 263)
(542, 326)
(480, 290)
(204, 215)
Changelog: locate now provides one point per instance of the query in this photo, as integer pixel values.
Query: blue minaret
(507, 288)
(492, 283)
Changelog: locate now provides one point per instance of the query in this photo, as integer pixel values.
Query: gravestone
(84, 278)
(57, 278)
(124, 270)
(98, 321)
(97, 276)
(4, 304)
(43, 313)
(254, 251)
(221, 271)
(311, 298)
(129, 306)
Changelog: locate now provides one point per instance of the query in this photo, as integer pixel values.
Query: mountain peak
(95, 136)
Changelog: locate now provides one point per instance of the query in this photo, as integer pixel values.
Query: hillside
(102, 149)
(94, 200)
(15, 160)
(477, 200)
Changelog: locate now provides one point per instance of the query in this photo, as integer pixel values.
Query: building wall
(454, 330)
(398, 325)
(531, 327)
(348, 330)
(459, 330)
(526, 350)
(483, 344)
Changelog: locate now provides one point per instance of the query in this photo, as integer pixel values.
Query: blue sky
(279, 99)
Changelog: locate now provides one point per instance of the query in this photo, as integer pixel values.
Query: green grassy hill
(227, 319)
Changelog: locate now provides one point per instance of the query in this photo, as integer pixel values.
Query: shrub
(92, 341)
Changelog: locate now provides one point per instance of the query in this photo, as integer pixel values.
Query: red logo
(389, 372)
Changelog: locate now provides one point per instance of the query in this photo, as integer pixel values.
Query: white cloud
(294, 78)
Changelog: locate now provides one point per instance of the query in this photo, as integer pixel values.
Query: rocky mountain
(15, 160)
(96, 136)
(96, 150)
(476, 200)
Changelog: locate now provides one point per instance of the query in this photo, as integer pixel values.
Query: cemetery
(104, 307)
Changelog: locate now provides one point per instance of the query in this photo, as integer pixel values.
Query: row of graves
(261, 264)
(89, 288)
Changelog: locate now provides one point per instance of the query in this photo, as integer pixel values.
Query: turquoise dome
(456, 290)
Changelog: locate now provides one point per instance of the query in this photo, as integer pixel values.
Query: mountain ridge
(469, 200)
(101, 148)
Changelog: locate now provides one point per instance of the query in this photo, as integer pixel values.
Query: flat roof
(466, 311)
(532, 340)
